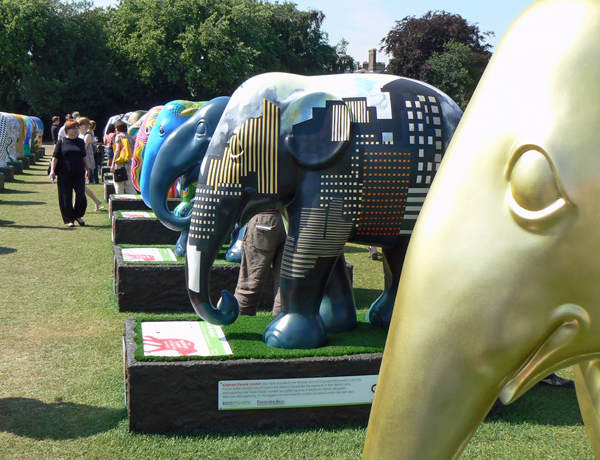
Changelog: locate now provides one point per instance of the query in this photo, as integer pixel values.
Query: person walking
(121, 167)
(69, 166)
(88, 140)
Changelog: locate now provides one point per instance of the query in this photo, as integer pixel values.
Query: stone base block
(109, 189)
(8, 172)
(162, 287)
(117, 203)
(104, 171)
(127, 230)
(39, 153)
(17, 166)
(182, 396)
(1, 181)
(32, 159)
(26, 160)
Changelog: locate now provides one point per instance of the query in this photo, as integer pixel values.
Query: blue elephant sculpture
(176, 151)
(346, 158)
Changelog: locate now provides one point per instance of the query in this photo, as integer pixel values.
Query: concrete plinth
(1, 181)
(119, 203)
(132, 230)
(17, 166)
(8, 172)
(182, 396)
(109, 189)
(162, 287)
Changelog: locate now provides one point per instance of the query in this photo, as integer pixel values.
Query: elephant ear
(318, 127)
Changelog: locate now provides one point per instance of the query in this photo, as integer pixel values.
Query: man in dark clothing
(54, 128)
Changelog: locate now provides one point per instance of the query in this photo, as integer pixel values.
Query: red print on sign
(142, 257)
(181, 346)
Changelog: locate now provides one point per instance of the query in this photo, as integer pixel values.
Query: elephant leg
(338, 309)
(299, 325)
(181, 245)
(587, 384)
(380, 312)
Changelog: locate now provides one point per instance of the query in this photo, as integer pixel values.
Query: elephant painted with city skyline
(181, 154)
(346, 158)
(501, 284)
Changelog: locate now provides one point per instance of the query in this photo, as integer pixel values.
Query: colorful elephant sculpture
(171, 116)
(347, 158)
(181, 154)
(141, 140)
(10, 130)
(501, 284)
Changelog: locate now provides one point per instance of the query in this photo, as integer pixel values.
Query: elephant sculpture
(10, 130)
(20, 147)
(501, 283)
(347, 158)
(39, 133)
(172, 115)
(141, 140)
(181, 154)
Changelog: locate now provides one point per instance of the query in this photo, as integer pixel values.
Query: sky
(364, 23)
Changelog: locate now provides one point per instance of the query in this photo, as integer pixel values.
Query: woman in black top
(69, 163)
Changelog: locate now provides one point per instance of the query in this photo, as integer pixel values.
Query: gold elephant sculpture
(501, 283)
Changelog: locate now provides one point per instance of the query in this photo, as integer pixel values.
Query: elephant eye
(534, 196)
(161, 130)
(201, 129)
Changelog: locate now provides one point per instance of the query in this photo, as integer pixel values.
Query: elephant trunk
(161, 181)
(200, 256)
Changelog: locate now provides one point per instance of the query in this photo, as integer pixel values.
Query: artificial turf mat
(245, 339)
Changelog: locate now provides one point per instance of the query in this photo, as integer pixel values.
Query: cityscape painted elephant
(347, 158)
(172, 116)
(501, 284)
(181, 154)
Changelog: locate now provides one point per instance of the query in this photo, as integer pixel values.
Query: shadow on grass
(35, 419)
(4, 251)
(351, 249)
(544, 405)
(22, 203)
(7, 191)
(365, 297)
(52, 227)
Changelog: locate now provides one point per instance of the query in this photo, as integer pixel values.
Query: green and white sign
(184, 338)
(127, 197)
(137, 214)
(307, 392)
(148, 255)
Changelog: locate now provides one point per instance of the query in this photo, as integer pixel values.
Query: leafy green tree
(23, 27)
(203, 48)
(417, 47)
(455, 71)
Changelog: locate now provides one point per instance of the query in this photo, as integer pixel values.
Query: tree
(415, 44)
(455, 71)
(204, 48)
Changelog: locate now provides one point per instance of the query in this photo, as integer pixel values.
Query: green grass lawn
(61, 361)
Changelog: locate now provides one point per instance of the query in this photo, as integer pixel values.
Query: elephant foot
(380, 312)
(338, 314)
(293, 330)
(181, 245)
